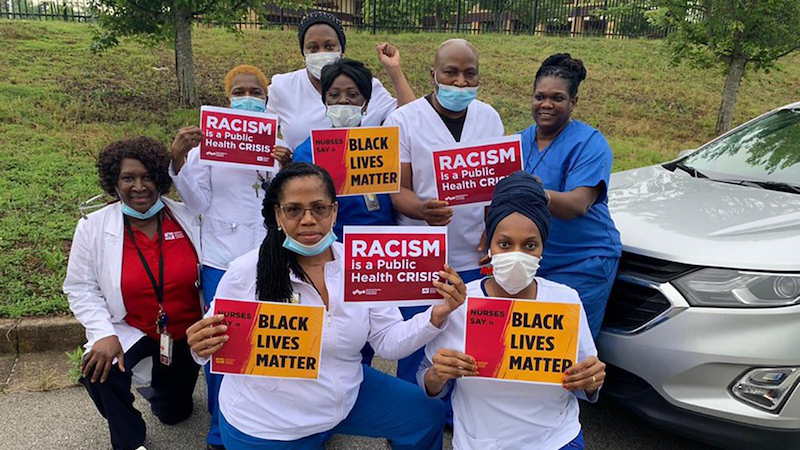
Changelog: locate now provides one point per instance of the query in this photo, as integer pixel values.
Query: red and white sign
(236, 138)
(393, 266)
(467, 173)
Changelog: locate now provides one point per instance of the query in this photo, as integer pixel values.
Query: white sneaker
(141, 448)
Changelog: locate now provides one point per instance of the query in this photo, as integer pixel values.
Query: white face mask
(514, 271)
(316, 61)
(345, 116)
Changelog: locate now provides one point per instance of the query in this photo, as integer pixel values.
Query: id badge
(166, 349)
(372, 202)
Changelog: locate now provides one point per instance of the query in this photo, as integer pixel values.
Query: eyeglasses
(319, 211)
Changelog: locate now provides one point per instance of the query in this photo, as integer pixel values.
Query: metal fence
(611, 18)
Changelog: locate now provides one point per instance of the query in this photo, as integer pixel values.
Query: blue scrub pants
(593, 279)
(211, 277)
(575, 444)
(386, 408)
(407, 367)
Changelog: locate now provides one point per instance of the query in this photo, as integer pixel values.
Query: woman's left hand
(454, 292)
(388, 54)
(587, 375)
(282, 154)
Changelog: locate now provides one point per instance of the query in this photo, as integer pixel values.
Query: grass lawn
(59, 105)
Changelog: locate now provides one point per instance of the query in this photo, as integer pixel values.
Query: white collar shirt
(493, 415)
(291, 409)
(421, 132)
(299, 106)
(229, 200)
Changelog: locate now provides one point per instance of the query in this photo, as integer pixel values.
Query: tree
(733, 34)
(171, 21)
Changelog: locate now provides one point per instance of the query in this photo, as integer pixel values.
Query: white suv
(702, 330)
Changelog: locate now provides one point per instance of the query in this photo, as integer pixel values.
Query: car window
(766, 150)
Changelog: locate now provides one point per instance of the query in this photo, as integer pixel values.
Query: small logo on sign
(359, 292)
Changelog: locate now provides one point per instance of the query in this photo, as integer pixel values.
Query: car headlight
(739, 289)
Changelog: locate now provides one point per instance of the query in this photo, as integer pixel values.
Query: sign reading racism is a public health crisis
(467, 173)
(269, 339)
(360, 160)
(393, 266)
(522, 340)
(236, 138)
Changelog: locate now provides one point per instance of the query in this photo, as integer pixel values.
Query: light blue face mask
(455, 98)
(310, 250)
(130, 212)
(246, 103)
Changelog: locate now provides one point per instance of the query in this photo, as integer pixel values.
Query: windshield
(766, 150)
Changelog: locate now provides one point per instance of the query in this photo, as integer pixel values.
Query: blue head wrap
(522, 193)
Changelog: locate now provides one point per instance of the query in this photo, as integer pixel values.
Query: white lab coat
(230, 200)
(94, 272)
(299, 106)
(493, 415)
(421, 132)
(290, 409)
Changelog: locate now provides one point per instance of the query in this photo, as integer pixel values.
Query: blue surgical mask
(247, 103)
(310, 250)
(130, 212)
(455, 98)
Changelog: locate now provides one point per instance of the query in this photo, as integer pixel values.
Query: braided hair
(274, 261)
(562, 65)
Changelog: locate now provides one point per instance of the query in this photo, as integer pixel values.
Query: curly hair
(245, 69)
(562, 65)
(150, 152)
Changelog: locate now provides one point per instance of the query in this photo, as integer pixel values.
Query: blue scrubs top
(352, 209)
(579, 157)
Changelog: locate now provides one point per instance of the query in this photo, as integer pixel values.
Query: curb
(40, 334)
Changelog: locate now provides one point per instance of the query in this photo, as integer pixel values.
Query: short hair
(562, 65)
(243, 70)
(150, 152)
(356, 70)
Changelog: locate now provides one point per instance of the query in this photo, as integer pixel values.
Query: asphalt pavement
(67, 419)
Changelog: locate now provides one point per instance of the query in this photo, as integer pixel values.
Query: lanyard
(547, 149)
(159, 286)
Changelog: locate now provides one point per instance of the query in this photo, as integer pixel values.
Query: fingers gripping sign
(437, 212)
(451, 287)
(204, 336)
(448, 365)
(588, 375)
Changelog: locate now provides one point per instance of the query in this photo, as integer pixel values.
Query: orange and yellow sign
(269, 339)
(522, 340)
(360, 160)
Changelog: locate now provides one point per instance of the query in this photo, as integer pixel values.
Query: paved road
(66, 419)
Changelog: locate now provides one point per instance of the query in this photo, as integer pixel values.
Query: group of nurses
(572, 159)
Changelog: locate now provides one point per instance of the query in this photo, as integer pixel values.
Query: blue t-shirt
(579, 157)
(353, 210)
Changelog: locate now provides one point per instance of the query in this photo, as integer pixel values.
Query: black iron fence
(612, 18)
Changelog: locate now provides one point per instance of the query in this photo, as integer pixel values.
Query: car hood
(676, 217)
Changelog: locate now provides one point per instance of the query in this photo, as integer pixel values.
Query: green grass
(59, 105)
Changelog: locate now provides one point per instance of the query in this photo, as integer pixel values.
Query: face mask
(455, 98)
(514, 271)
(310, 250)
(254, 104)
(130, 212)
(345, 116)
(316, 61)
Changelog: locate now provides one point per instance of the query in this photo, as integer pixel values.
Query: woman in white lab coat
(132, 283)
(300, 259)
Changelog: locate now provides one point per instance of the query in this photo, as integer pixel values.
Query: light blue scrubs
(584, 252)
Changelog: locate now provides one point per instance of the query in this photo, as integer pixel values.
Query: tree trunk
(732, 81)
(184, 59)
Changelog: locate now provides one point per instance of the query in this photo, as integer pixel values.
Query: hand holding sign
(588, 375)
(437, 213)
(204, 338)
(448, 365)
(452, 290)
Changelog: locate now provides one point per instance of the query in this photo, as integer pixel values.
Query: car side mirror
(686, 152)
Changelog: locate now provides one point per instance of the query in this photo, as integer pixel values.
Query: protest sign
(522, 340)
(393, 266)
(269, 339)
(467, 173)
(360, 160)
(237, 138)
